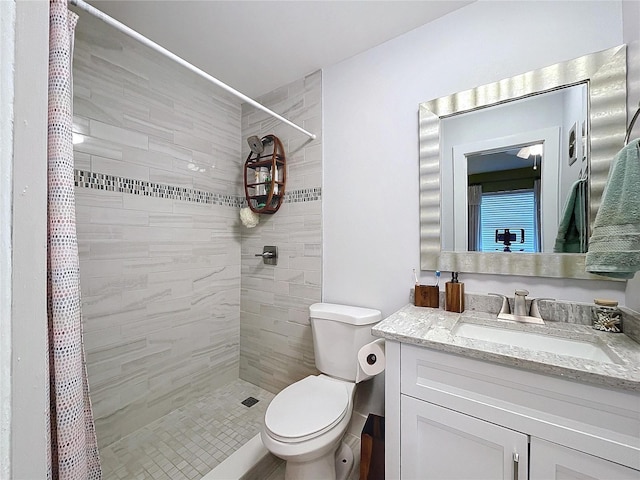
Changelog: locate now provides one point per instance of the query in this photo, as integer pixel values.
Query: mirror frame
(605, 74)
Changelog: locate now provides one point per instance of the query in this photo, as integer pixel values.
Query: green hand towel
(571, 231)
(614, 246)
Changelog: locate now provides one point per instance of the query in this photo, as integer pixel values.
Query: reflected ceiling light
(77, 138)
(526, 152)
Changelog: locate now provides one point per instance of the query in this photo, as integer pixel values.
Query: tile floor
(190, 441)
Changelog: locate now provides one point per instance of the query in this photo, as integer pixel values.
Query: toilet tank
(339, 331)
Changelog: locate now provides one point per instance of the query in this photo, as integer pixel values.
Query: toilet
(305, 423)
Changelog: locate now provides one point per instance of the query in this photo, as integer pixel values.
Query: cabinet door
(550, 461)
(441, 444)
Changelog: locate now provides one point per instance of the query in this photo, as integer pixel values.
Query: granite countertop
(432, 328)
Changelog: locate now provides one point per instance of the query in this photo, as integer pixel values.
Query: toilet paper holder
(371, 360)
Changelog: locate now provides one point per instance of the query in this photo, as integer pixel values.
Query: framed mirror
(581, 141)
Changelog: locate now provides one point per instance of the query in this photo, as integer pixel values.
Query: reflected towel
(573, 225)
(614, 247)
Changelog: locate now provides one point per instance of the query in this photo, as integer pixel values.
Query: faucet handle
(505, 302)
(522, 293)
(534, 309)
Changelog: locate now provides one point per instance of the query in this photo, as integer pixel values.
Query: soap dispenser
(454, 294)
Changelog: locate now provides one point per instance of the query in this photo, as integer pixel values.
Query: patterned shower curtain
(73, 450)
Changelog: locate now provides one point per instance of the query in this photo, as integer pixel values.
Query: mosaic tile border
(304, 195)
(295, 196)
(113, 183)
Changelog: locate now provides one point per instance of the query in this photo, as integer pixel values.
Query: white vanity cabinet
(550, 461)
(453, 417)
(451, 445)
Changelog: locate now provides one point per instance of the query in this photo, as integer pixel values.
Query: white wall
(371, 214)
(7, 27)
(29, 243)
(575, 113)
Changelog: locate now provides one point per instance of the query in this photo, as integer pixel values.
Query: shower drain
(249, 401)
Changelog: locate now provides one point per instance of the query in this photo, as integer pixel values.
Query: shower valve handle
(269, 255)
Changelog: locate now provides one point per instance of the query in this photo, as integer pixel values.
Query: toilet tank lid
(345, 313)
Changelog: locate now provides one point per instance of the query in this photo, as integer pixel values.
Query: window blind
(513, 210)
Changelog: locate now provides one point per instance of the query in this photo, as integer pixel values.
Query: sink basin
(533, 341)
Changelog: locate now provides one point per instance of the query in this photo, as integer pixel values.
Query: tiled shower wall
(158, 177)
(276, 347)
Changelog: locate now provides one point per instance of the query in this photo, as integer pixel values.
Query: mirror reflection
(514, 168)
(503, 200)
(582, 142)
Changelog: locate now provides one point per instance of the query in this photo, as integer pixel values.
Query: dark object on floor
(249, 401)
(372, 449)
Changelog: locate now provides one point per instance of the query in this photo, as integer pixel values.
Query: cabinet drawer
(599, 421)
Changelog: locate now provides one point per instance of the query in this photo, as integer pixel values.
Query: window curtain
(538, 225)
(474, 200)
(73, 450)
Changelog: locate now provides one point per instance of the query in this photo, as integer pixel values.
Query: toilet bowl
(305, 423)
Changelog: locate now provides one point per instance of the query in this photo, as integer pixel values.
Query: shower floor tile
(190, 441)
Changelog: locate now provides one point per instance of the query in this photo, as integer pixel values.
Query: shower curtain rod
(154, 46)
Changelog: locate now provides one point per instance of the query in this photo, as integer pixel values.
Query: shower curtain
(73, 450)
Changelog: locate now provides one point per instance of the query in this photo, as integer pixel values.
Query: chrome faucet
(520, 311)
(520, 303)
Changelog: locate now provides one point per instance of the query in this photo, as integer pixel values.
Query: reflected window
(508, 222)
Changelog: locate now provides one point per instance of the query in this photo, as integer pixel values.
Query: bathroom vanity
(468, 396)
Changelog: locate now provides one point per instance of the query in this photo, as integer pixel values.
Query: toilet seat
(306, 409)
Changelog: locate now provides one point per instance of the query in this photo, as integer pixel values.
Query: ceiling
(257, 46)
(507, 159)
